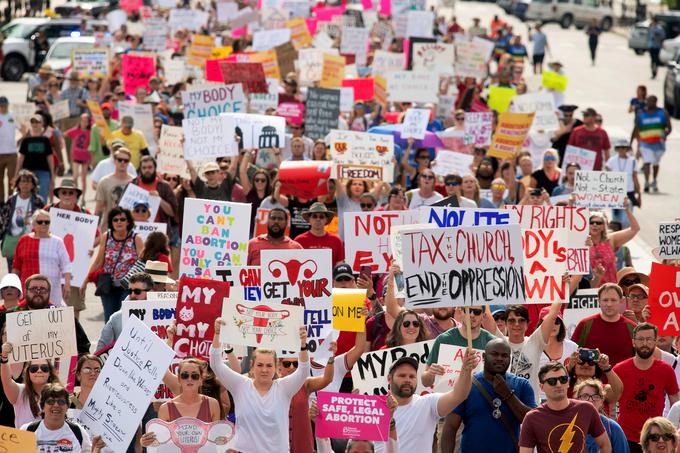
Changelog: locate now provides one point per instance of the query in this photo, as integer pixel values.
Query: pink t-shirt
(80, 144)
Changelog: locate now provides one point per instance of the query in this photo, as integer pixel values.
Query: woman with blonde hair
(604, 243)
(548, 176)
(658, 435)
(470, 188)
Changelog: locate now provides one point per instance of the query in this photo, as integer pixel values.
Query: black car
(671, 87)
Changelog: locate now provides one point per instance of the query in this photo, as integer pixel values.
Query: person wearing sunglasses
(658, 435)
(422, 159)
(548, 176)
(561, 423)
(87, 371)
(605, 243)
(407, 329)
(217, 185)
(134, 140)
(558, 347)
(592, 391)
(110, 188)
(425, 194)
(257, 186)
(319, 216)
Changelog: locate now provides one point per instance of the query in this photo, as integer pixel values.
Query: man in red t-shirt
(608, 330)
(274, 239)
(646, 382)
(318, 216)
(591, 136)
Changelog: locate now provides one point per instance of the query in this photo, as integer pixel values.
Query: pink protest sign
(130, 6)
(347, 416)
(293, 112)
(213, 73)
(363, 88)
(137, 71)
(326, 13)
(188, 435)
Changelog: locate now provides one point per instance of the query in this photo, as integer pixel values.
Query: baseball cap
(127, 121)
(404, 360)
(644, 288)
(621, 142)
(210, 166)
(106, 105)
(140, 203)
(342, 270)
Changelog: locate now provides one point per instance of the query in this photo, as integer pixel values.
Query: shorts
(651, 156)
(538, 58)
(75, 300)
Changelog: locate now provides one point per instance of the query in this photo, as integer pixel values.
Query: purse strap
(120, 252)
(504, 421)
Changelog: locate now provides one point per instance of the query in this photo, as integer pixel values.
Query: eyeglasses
(67, 193)
(35, 368)
(260, 180)
(119, 219)
(319, 216)
(42, 222)
(343, 279)
(407, 324)
(136, 291)
(88, 370)
(288, 364)
(586, 362)
(366, 205)
(57, 401)
(648, 340)
(476, 311)
(552, 381)
(596, 222)
(452, 183)
(550, 157)
(174, 178)
(587, 397)
(38, 290)
(460, 118)
(184, 375)
(498, 186)
(142, 210)
(428, 177)
(122, 161)
(629, 282)
(637, 296)
(657, 437)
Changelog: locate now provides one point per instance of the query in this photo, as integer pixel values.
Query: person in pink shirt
(79, 150)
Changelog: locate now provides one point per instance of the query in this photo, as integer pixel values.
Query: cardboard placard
(245, 282)
(170, 156)
(155, 37)
(251, 75)
(208, 137)
(332, 71)
(200, 50)
(415, 123)
(472, 57)
(348, 304)
(12, 439)
(293, 112)
(346, 416)
(664, 298)
(510, 134)
(669, 240)
(451, 162)
(286, 55)
(310, 64)
(362, 155)
(584, 157)
(385, 62)
(419, 24)
(99, 119)
(322, 111)
(363, 89)
(445, 217)
(545, 261)
(268, 39)
(600, 189)
(137, 71)
(582, 303)
(142, 117)
(451, 358)
(436, 57)
(41, 334)
(500, 98)
(60, 110)
(299, 32)
(543, 104)
(78, 231)
(304, 179)
(135, 193)
(212, 100)
(144, 229)
(91, 63)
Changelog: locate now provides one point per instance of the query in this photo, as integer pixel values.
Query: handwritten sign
(472, 57)
(384, 62)
(543, 104)
(78, 231)
(451, 358)
(584, 157)
(310, 62)
(600, 189)
(436, 57)
(322, 111)
(245, 281)
(348, 304)
(669, 240)
(268, 39)
(510, 134)
(91, 63)
(41, 334)
(332, 71)
(156, 314)
(355, 42)
(362, 155)
(214, 234)
(545, 261)
(664, 295)
(449, 267)
(126, 385)
(155, 36)
(452, 163)
(60, 110)
(251, 75)
(12, 439)
(170, 156)
(186, 434)
(212, 100)
(415, 123)
(347, 416)
(134, 193)
(137, 70)
(204, 137)
(299, 32)
(410, 86)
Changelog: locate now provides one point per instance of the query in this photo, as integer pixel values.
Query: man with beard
(274, 239)
(218, 185)
(646, 382)
(495, 408)
(110, 188)
(149, 180)
(416, 416)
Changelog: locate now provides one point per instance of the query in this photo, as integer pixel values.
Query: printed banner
(510, 134)
(362, 155)
(251, 75)
(584, 157)
(304, 179)
(582, 303)
(545, 261)
(600, 189)
(41, 334)
(445, 217)
(542, 104)
(214, 234)
(91, 63)
(126, 385)
(303, 278)
(408, 86)
(478, 128)
(212, 100)
(463, 266)
(204, 137)
(137, 71)
(348, 304)
(347, 416)
(245, 282)
(669, 240)
(190, 435)
(322, 110)
(664, 298)
(69, 226)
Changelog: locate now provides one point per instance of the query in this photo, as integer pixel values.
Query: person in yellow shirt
(133, 138)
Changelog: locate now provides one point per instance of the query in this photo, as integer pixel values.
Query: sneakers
(654, 187)
(646, 187)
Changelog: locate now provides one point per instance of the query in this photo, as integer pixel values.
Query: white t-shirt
(417, 200)
(339, 371)
(108, 166)
(61, 440)
(416, 423)
(626, 165)
(20, 217)
(262, 419)
(8, 128)
(22, 409)
(526, 357)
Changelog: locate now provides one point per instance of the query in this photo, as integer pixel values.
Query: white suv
(570, 12)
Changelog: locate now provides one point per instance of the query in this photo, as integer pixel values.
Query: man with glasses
(110, 189)
(274, 239)
(318, 216)
(133, 138)
(425, 194)
(591, 136)
(637, 298)
(646, 383)
(149, 180)
(108, 165)
(561, 424)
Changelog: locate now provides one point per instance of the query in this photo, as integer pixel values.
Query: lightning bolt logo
(566, 440)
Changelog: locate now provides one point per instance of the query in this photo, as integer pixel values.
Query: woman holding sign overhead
(262, 402)
(604, 244)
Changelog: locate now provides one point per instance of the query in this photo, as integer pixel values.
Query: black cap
(567, 107)
(342, 270)
(404, 360)
(4, 100)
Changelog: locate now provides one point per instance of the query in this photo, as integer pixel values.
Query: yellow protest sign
(270, 64)
(380, 90)
(500, 97)
(299, 32)
(348, 304)
(510, 134)
(99, 119)
(555, 81)
(200, 50)
(333, 71)
(221, 52)
(12, 439)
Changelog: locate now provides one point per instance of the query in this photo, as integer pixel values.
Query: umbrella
(430, 140)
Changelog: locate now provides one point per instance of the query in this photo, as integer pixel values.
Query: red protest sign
(363, 88)
(199, 303)
(137, 71)
(130, 6)
(664, 298)
(213, 73)
(251, 75)
(304, 179)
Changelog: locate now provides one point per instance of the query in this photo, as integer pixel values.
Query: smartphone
(399, 281)
(588, 355)
(535, 192)
(365, 272)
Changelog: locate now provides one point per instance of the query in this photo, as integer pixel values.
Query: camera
(588, 355)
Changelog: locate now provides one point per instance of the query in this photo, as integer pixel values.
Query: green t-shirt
(453, 337)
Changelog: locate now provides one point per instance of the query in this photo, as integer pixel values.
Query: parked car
(637, 39)
(669, 20)
(59, 55)
(570, 12)
(506, 5)
(89, 7)
(671, 87)
(17, 49)
(668, 49)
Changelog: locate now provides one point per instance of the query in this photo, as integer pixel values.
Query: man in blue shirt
(655, 36)
(495, 412)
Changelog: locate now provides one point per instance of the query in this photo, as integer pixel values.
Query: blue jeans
(44, 180)
(112, 301)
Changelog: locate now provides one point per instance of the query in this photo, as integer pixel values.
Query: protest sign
(446, 217)
(362, 89)
(451, 162)
(367, 237)
(543, 104)
(22, 112)
(78, 231)
(115, 19)
(155, 37)
(310, 63)
(370, 372)
(355, 42)
(126, 385)
(299, 32)
(156, 314)
(261, 220)
(545, 261)
(463, 266)
(200, 50)
(555, 81)
(251, 75)
(304, 179)
(244, 281)
(134, 193)
(137, 70)
(213, 73)
(257, 131)
(303, 278)
(190, 435)
(293, 112)
(347, 416)
(445, 106)
(260, 102)
(500, 97)
(91, 63)
(582, 303)
(270, 325)
(664, 298)
(98, 118)
(574, 220)
(346, 99)
(212, 100)
(285, 55)
(199, 303)
(204, 137)
(584, 157)
(600, 189)
(510, 134)
(144, 229)
(669, 240)
(415, 123)
(348, 304)
(332, 70)
(142, 117)
(191, 19)
(451, 358)
(478, 128)
(411, 86)
(12, 439)
(322, 110)
(471, 58)
(60, 110)
(170, 156)
(362, 155)
(214, 234)
(434, 57)
(384, 62)
(419, 24)
(267, 59)
(268, 39)
(41, 334)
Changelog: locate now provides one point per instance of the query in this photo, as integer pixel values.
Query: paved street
(608, 86)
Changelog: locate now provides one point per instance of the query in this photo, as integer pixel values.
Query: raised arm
(10, 387)
(391, 304)
(243, 173)
(461, 389)
(228, 377)
(317, 383)
(405, 165)
(354, 354)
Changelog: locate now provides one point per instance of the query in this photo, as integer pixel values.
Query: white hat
(11, 281)
(620, 142)
(158, 270)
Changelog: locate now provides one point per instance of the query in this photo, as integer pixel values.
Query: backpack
(75, 428)
(583, 336)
